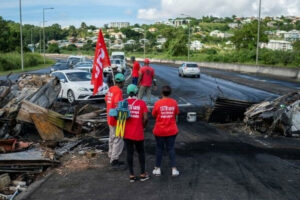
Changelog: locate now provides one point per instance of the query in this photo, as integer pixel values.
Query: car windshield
(192, 65)
(118, 57)
(79, 76)
(115, 61)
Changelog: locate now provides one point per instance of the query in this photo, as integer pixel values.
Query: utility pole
(21, 36)
(144, 43)
(258, 32)
(189, 39)
(44, 30)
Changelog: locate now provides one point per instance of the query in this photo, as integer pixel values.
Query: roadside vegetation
(163, 41)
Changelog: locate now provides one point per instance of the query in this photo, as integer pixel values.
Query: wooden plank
(46, 130)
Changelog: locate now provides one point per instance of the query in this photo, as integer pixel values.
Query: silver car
(189, 69)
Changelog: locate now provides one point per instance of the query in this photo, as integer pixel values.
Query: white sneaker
(175, 172)
(156, 171)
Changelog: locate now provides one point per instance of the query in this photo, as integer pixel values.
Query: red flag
(101, 60)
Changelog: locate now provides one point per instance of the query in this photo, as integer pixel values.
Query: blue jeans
(169, 141)
(135, 80)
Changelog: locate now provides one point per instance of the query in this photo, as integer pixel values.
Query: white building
(137, 29)
(233, 25)
(119, 25)
(278, 45)
(219, 34)
(196, 45)
(161, 40)
(292, 35)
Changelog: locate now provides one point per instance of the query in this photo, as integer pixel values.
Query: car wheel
(71, 96)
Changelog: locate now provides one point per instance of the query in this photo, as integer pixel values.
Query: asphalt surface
(199, 91)
(214, 164)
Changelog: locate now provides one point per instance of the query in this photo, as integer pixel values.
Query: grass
(31, 68)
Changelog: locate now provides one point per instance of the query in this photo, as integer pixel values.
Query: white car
(76, 86)
(189, 69)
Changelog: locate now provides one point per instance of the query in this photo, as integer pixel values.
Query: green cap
(119, 77)
(132, 88)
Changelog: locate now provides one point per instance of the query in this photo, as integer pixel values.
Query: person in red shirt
(134, 132)
(135, 70)
(165, 129)
(112, 98)
(146, 76)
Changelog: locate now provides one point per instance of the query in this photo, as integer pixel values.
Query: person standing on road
(135, 70)
(165, 129)
(112, 98)
(110, 75)
(146, 76)
(134, 132)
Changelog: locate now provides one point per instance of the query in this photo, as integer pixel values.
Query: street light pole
(258, 32)
(21, 36)
(44, 30)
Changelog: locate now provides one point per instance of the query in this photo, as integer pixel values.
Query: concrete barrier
(264, 70)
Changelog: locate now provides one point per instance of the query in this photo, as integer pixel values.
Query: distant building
(161, 40)
(219, 34)
(233, 25)
(278, 45)
(140, 30)
(196, 45)
(179, 22)
(152, 29)
(292, 35)
(119, 25)
(118, 35)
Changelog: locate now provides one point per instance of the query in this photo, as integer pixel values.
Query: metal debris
(278, 117)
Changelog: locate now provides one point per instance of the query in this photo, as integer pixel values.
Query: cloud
(197, 8)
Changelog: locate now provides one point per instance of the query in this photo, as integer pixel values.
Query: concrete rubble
(37, 130)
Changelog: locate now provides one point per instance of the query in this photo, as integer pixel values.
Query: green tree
(53, 48)
(246, 37)
(178, 45)
(296, 45)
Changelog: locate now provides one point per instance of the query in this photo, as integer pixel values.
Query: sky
(99, 12)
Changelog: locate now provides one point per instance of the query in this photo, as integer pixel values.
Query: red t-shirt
(165, 111)
(147, 74)
(135, 69)
(134, 129)
(112, 98)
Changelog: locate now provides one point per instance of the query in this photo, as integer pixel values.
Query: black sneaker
(144, 177)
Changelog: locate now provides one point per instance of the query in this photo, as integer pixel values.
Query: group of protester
(164, 111)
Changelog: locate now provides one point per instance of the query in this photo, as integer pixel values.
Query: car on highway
(76, 86)
(73, 60)
(58, 66)
(83, 64)
(189, 69)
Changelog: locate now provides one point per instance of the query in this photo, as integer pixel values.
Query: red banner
(101, 60)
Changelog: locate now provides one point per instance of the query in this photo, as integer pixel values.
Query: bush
(11, 61)
(53, 48)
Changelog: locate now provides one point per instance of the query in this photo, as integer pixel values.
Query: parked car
(83, 64)
(189, 69)
(73, 60)
(76, 86)
(120, 56)
(58, 66)
(85, 68)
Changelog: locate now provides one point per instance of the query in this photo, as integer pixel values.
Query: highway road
(214, 163)
(198, 91)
